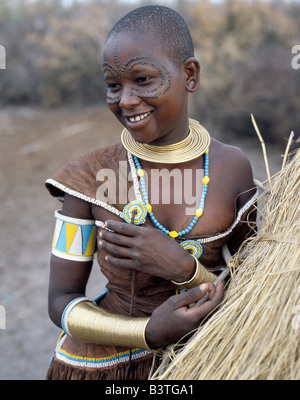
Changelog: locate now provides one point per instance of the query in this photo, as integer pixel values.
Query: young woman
(149, 243)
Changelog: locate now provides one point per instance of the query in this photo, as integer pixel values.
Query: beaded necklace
(199, 210)
(144, 207)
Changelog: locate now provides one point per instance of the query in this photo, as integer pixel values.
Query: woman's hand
(146, 249)
(172, 320)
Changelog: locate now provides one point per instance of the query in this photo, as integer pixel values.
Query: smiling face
(146, 91)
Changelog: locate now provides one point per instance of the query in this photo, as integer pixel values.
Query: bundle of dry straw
(255, 334)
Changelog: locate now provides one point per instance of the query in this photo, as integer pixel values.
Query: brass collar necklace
(193, 146)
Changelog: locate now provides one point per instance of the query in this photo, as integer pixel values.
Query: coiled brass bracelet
(201, 275)
(84, 321)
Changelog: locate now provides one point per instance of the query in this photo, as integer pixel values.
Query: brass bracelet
(86, 322)
(201, 275)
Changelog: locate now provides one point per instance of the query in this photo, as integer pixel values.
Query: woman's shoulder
(234, 165)
(230, 158)
(80, 174)
(101, 157)
(228, 151)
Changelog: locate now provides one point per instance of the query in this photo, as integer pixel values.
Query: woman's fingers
(216, 296)
(198, 292)
(172, 320)
(192, 295)
(119, 246)
(122, 227)
(116, 253)
(121, 262)
(115, 238)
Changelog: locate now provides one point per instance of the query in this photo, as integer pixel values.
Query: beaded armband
(74, 239)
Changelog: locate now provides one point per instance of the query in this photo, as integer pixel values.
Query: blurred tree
(53, 56)
(245, 52)
(69, 62)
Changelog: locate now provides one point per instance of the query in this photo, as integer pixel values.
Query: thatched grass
(255, 334)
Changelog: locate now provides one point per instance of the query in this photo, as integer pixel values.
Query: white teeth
(139, 117)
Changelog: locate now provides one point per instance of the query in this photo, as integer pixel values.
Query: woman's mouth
(139, 117)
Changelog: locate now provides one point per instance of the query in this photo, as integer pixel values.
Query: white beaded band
(236, 221)
(82, 196)
(74, 239)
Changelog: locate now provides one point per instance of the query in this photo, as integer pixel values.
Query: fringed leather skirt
(74, 360)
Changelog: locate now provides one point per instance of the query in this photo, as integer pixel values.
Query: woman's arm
(167, 324)
(68, 278)
(242, 169)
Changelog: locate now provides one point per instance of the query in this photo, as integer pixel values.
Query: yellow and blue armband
(74, 239)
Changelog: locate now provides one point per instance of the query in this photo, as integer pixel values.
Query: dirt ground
(34, 144)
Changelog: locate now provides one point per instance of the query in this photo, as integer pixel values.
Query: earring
(190, 86)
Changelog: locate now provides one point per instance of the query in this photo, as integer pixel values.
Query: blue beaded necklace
(199, 210)
(144, 208)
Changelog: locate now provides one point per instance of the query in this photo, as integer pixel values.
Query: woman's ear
(192, 71)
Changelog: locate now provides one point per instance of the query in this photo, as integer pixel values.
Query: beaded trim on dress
(220, 235)
(138, 197)
(101, 362)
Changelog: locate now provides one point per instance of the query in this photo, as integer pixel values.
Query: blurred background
(52, 109)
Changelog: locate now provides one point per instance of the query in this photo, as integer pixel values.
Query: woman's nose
(128, 99)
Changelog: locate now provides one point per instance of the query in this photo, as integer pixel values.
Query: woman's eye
(113, 87)
(143, 79)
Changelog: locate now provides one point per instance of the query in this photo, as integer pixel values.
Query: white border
(236, 221)
(119, 359)
(81, 196)
(138, 196)
(71, 220)
(66, 256)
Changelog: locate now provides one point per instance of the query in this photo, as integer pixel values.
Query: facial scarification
(124, 71)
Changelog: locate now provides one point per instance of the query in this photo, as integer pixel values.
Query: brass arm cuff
(86, 322)
(201, 275)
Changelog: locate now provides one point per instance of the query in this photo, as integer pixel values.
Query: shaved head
(166, 25)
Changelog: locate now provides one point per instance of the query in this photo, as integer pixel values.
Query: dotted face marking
(125, 71)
